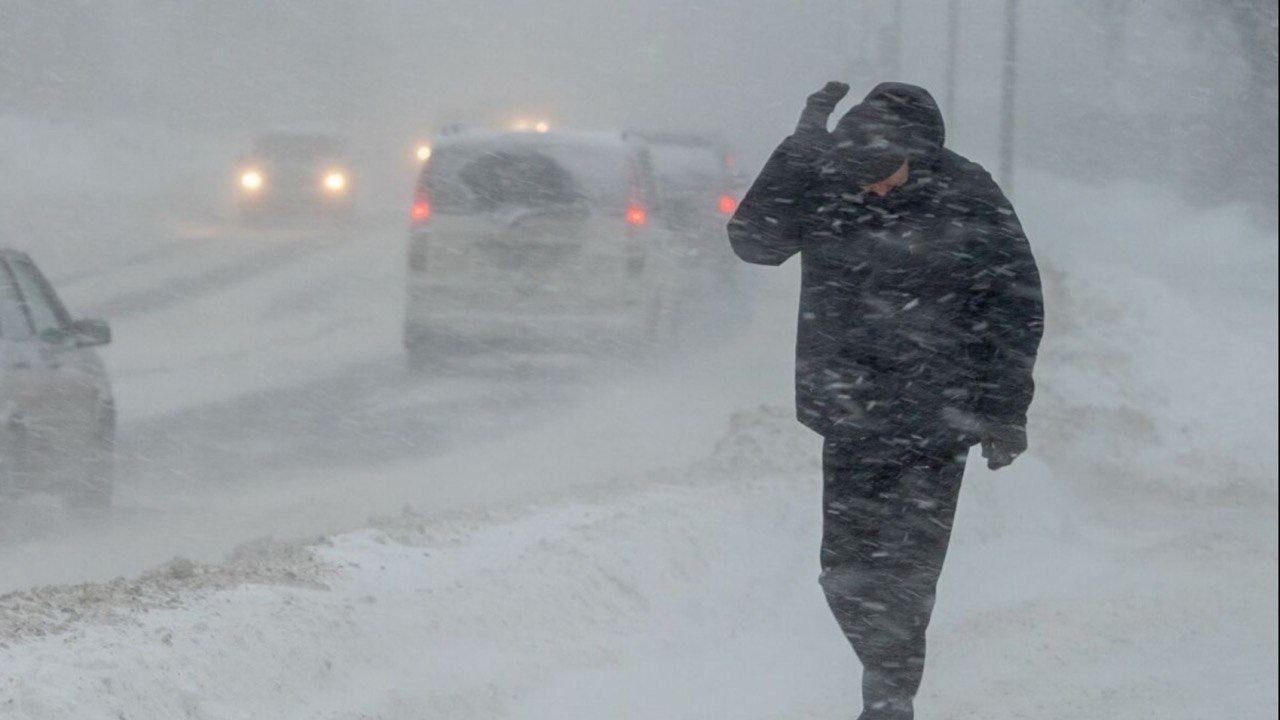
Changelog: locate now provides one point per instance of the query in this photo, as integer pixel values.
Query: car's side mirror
(91, 333)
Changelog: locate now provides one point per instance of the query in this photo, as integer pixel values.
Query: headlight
(335, 181)
(424, 152)
(251, 180)
(527, 125)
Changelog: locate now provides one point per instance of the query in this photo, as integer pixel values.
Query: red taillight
(635, 215)
(421, 209)
(727, 204)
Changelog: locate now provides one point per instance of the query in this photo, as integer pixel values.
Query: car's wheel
(661, 321)
(423, 360)
(94, 487)
(422, 350)
(12, 457)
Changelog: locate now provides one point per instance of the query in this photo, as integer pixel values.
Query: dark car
(290, 176)
(57, 414)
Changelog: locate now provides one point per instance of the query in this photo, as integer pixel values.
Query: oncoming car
(528, 239)
(57, 414)
(294, 176)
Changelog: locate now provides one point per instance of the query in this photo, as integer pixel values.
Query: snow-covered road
(641, 542)
(687, 593)
(258, 376)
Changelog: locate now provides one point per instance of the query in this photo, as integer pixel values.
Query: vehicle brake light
(727, 204)
(636, 215)
(421, 209)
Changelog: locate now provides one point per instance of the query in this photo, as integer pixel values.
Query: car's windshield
(689, 167)
(523, 178)
(297, 149)
(42, 305)
(477, 177)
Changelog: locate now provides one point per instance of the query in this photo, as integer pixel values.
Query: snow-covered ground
(643, 543)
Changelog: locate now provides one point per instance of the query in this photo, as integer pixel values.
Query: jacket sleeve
(1012, 320)
(766, 227)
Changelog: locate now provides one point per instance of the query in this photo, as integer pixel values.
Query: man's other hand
(1002, 444)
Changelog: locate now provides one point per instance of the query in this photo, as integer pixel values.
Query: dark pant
(888, 505)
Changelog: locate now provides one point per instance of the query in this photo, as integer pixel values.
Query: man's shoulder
(967, 181)
(963, 169)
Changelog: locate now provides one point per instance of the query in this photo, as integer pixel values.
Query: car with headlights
(529, 239)
(57, 412)
(289, 176)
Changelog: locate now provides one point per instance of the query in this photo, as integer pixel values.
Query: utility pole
(859, 39)
(1007, 128)
(953, 52)
(891, 46)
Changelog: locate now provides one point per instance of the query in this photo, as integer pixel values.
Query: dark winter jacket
(920, 312)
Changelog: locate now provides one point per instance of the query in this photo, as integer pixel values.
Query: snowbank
(1159, 363)
(673, 595)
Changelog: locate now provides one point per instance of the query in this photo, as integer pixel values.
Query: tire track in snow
(182, 289)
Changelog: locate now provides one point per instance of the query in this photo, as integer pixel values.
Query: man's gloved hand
(1002, 444)
(811, 137)
(818, 108)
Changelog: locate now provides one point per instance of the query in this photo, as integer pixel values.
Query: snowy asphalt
(246, 360)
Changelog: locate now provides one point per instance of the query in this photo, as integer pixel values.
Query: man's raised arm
(766, 228)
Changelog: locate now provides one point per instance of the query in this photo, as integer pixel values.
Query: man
(920, 317)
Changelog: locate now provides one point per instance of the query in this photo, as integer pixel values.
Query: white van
(525, 240)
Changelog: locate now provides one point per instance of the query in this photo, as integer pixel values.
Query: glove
(1002, 444)
(811, 138)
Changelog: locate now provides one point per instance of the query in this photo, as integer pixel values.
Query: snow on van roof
(598, 138)
(681, 138)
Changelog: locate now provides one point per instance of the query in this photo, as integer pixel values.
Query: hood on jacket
(895, 122)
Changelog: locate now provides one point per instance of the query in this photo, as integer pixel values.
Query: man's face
(898, 178)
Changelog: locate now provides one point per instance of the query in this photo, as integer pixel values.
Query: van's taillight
(727, 204)
(635, 215)
(417, 255)
(421, 209)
